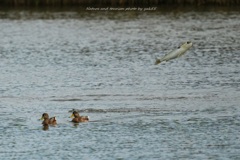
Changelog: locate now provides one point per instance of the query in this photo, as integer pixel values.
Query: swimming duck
(47, 120)
(77, 118)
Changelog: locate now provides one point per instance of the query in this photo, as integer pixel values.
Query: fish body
(176, 53)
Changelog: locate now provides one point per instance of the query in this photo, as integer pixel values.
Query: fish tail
(157, 61)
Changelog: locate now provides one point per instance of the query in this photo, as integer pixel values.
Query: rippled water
(102, 63)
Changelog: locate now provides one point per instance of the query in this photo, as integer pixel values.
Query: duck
(77, 118)
(47, 120)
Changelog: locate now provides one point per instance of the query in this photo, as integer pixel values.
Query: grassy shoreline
(57, 3)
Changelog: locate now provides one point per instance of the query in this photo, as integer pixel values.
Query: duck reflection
(75, 125)
(45, 127)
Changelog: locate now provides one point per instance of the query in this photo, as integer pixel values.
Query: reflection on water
(45, 127)
(102, 63)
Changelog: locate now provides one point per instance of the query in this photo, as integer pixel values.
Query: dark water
(102, 63)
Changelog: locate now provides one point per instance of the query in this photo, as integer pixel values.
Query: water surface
(102, 63)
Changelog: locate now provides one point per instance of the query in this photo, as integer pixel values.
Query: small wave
(127, 110)
(70, 99)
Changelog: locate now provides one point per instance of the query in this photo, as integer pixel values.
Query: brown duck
(47, 120)
(77, 118)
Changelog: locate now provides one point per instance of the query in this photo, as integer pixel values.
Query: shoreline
(115, 3)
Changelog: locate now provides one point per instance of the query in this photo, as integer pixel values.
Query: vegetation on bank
(115, 2)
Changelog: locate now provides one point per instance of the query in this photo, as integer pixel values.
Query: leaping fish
(176, 53)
